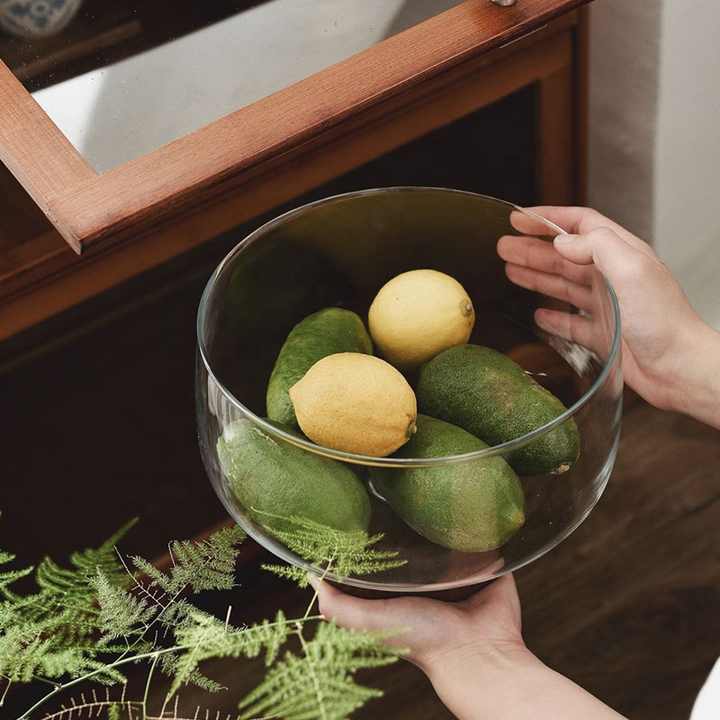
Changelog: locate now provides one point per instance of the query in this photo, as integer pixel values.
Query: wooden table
(627, 606)
(99, 419)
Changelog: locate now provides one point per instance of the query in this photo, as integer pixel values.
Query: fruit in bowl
(419, 313)
(396, 412)
(355, 403)
(471, 507)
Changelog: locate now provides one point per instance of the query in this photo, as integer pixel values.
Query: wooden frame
(136, 216)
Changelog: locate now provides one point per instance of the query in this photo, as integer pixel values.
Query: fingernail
(563, 239)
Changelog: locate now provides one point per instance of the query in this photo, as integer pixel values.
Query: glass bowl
(339, 252)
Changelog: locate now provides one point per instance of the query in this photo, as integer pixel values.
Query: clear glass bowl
(340, 251)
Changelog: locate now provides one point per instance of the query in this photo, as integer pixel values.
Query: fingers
(574, 220)
(551, 285)
(581, 221)
(528, 223)
(575, 328)
(611, 254)
(402, 614)
(541, 255)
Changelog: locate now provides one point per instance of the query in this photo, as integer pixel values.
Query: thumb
(602, 247)
(400, 614)
(501, 602)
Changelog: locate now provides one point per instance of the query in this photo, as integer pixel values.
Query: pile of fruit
(328, 385)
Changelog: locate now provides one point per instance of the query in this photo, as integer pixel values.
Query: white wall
(624, 62)
(687, 176)
(655, 132)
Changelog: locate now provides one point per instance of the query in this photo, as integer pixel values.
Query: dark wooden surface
(628, 606)
(39, 277)
(100, 428)
(505, 169)
(170, 185)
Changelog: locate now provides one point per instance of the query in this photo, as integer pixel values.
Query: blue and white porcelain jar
(37, 18)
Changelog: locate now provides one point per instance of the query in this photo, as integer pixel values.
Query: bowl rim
(368, 460)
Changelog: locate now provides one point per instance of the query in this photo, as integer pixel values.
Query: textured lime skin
(326, 332)
(470, 506)
(272, 476)
(490, 396)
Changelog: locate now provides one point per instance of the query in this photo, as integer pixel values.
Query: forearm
(516, 687)
(695, 384)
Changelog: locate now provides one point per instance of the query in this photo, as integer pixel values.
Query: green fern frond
(69, 626)
(121, 614)
(70, 591)
(112, 709)
(207, 637)
(170, 665)
(270, 636)
(289, 572)
(28, 650)
(319, 685)
(176, 614)
(345, 552)
(8, 577)
(22, 650)
(54, 632)
(74, 583)
(202, 565)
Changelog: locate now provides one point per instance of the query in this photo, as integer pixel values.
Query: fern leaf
(8, 577)
(170, 665)
(75, 582)
(319, 685)
(121, 614)
(54, 632)
(22, 649)
(289, 572)
(344, 552)
(202, 565)
(207, 637)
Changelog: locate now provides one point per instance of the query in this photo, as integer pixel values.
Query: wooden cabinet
(101, 272)
(122, 220)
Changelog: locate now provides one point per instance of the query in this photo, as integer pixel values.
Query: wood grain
(582, 103)
(35, 151)
(44, 279)
(556, 174)
(21, 217)
(206, 164)
(627, 606)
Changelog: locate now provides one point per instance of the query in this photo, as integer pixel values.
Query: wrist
(694, 384)
(510, 683)
(483, 680)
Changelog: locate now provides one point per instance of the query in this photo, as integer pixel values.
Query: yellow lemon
(417, 315)
(357, 403)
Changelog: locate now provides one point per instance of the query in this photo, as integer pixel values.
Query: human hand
(472, 652)
(433, 631)
(668, 352)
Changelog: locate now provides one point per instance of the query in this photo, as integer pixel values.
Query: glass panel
(121, 79)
